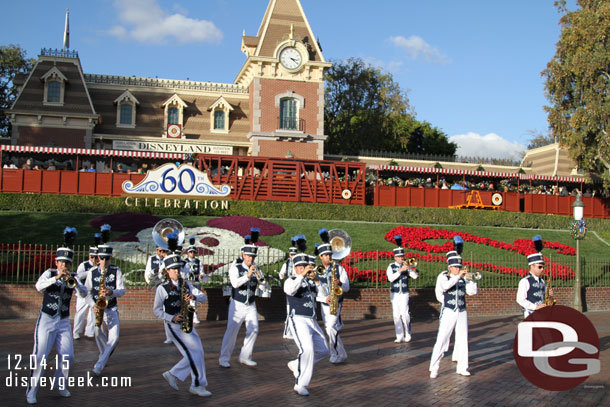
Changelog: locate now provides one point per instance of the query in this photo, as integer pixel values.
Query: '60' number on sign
(169, 183)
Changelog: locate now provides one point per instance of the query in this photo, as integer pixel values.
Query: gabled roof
(54, 72)
(276, 26)
(127, 95)
(174, 99)
(220, 102)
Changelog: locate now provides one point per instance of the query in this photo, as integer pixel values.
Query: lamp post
(578, 232)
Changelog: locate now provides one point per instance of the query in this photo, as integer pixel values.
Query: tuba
(159, 233)
(341, 245)
(101, 302)
(163, 228)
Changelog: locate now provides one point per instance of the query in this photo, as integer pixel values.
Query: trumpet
(471, 276)
(257, 272)
(69, 281)
(412, 262)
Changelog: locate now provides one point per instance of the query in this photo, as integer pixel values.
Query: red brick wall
(22, 301)
(303, 151)
(270, 113)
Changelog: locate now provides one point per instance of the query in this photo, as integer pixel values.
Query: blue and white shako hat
(97, 238)
(324, 247)
(173, 261)
(292, 250)
(300, 259)
(312, 260)
(250, 247)
(399, 251)
(65, 253)
(454, 258)
(192, 247)
(536, 258)
(104, 250)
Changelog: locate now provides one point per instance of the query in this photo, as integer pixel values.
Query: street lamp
(579, 229)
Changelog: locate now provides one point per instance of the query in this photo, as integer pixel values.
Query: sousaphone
(165, 227)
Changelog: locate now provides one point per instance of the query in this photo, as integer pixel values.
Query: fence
(23, 263)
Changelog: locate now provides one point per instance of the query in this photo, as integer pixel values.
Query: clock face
(290, 58)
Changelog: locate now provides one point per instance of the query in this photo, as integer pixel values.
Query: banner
(173, 180)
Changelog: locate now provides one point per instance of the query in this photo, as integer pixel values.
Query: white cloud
(145, 21)
(417, 47)
(490, 145)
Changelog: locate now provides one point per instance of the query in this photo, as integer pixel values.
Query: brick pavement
(378, 372)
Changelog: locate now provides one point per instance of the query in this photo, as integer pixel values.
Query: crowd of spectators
(85, 165)
(500, 185)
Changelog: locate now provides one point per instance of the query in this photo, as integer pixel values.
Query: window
(126, 110)
(288, 114)
(219, 120)
(125, 113)
(173, 116)
(219, 116)
(54, 92)
(54, 87)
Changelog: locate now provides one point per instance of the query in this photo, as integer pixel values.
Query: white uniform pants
(287, 332)
(400, 311)
(107, 342)
(238, 313)
(49, 332)
(449, 321)
(83, 312)
(192, 362)
(309, 338)
(332, 325)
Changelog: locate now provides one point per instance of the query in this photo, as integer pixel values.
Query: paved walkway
(378, 372)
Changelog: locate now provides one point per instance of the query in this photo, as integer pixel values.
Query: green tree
(578, 85)
(12, 62)
(539, 139)
(366, 110)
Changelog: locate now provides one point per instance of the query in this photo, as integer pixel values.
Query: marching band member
(167, 307)
(83, 310)
(302, 290)
(153, 275)
(193, 270)
(245, 278)
(532, 288)
(399, 273)
(53, 325)
(111, 278)
(332, 323)
(287, 271)
(451, 290)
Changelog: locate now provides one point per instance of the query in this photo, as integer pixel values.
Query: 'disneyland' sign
(176, 180)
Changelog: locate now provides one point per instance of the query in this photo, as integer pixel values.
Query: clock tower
(284, 74)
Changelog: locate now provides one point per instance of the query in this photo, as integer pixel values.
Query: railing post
(377, 271)
(18, 258)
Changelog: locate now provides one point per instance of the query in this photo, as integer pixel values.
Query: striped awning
(90, 151)
(488, 174)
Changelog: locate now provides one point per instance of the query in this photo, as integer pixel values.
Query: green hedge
(293, 210)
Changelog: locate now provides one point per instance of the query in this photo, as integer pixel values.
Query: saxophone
(186, 309)
(549, 300)
(101, 302)
(335, 291)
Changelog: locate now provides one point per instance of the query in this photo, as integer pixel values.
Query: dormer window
(126, 110)
(219, 116)
(54, 87)
(174, 116)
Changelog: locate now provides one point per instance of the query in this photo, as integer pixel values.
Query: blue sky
(471, 68)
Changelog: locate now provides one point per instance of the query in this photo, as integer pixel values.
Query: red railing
(65, 182)
(511, 201)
